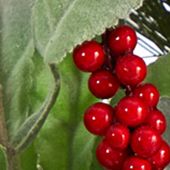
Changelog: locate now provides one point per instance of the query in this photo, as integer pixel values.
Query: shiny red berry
(157, 120)
(103, 84)
(136, 163)
(109, 157)
(89, 56)
(131, 111)
(162, 157)
(149, 93)
(122, 40)
(130, 69)
(98, 117)
(118, 136)
(145, 141)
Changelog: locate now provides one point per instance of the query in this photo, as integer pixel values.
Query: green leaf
(63, 135)
(53, 144)
(158, 74)
(17, 90)
(3, 159)
(60, 25)
(16, 66)
(82, 148)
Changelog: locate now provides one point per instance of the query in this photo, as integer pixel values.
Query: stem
(3, 129)
(4, 139)
(11, 158)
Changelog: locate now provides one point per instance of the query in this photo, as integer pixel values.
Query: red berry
(157, 121)
(98, 118)
(162, 157)
(118, 136)
(130, 69)
(149, 93)
(109, 157)
(103, 84)
(89, 56)
(122, 40)
(131, 111)
(136, 163)
(145, 141)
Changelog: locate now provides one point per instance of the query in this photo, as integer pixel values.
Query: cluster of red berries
(131, 131)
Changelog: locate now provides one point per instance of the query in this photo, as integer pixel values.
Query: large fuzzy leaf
(16, 66)
(62, 24)
(18, 69)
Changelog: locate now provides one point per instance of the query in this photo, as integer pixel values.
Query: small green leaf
(158, 74)
(83, 143)
(3, 159)
(52, 145)
(62, 24)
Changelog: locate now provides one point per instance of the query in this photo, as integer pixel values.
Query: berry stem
(128, 90)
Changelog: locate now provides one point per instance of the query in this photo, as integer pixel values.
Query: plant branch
(3, 129)
(4, 139)
(33, 124)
